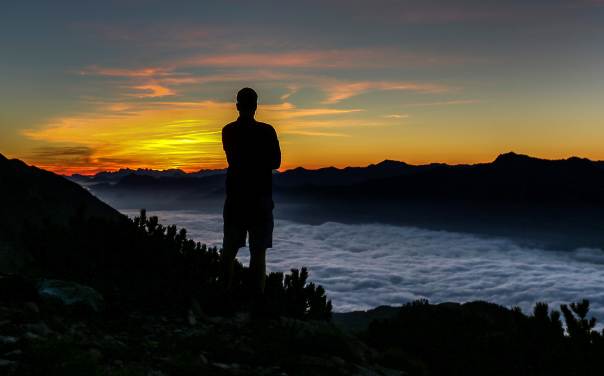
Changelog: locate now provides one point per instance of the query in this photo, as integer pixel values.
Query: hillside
(30, 193)
(34, 197)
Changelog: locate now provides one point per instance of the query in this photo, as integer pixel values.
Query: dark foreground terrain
(86, 291)
(45, 336)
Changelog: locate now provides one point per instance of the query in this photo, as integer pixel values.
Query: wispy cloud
(291, 90)
(152, 91)
(157, 136)
(68, 160)
(444, 103)
(330, 58)
(315, 133)
(166, 134)
(124, 72)
(341, 91)
(288, 110)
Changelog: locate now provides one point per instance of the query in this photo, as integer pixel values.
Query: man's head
(247, 102)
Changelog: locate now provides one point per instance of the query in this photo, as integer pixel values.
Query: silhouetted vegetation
(480, 338)
(142, 263)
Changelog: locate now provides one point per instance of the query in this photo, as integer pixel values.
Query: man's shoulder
(258, 125)
(265, 126)
(229, 126)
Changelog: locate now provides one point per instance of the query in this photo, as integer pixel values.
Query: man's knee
(229, 253)
(257, 254)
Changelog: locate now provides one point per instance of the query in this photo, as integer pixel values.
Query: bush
(141, 263)
(480, 338)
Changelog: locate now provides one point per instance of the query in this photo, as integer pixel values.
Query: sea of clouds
(367, 265)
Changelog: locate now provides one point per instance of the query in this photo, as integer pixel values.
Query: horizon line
(345, 167)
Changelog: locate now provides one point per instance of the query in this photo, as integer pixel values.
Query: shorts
(253, 218)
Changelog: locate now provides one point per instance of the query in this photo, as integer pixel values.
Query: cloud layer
(364, 266)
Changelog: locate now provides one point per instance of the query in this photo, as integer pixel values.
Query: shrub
(141, 263)
(479, 338)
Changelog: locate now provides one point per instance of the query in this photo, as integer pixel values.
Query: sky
(87, 86)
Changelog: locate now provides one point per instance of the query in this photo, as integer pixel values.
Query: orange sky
(151, 87)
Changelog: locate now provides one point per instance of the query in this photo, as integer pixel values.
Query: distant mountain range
(509, 178)
(115, 176)
(332, 176)
(559, 203)
(515, 195)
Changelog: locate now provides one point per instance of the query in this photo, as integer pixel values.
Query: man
(252, 151)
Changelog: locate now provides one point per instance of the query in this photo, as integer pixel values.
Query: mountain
(511, 178)
(115, 176)
(332, 176)
(557, 202)
(51, 227)
(33, 196)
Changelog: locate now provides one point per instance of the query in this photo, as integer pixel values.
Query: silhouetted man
(252, 151)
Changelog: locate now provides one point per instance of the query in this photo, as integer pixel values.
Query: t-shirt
(252, 151)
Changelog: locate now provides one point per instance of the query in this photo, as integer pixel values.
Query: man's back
(252, 151)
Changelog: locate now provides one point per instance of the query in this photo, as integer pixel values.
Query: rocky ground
(46, 336)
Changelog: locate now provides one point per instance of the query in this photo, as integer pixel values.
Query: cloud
(444, 103)
(287, 110)
(165, 134)
(124, 72)
(315, 133)
(322, 58)
(62, 152)
(338, 92)
(396, 116)
(155, 135)
(67, 160)
(291, 91)
(152, 91)
(280, 70)
(367, 265)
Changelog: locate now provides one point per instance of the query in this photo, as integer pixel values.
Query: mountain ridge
(516, 195)
(32, 197)
(510, 157)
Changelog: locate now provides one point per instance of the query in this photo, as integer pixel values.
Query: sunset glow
(152, 86)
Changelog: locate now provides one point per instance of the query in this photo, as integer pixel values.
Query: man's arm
(226, 145)
(275, 151)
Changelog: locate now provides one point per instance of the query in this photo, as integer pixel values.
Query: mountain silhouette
(558, 202)
(510, 176)
(116, 176)
(32, 196)
(53, 228)
(28, 192)
(331, 176)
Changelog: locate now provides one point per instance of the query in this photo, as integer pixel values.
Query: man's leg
(260, 238)
(228, 263)
(258, 269)
(234, 238)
